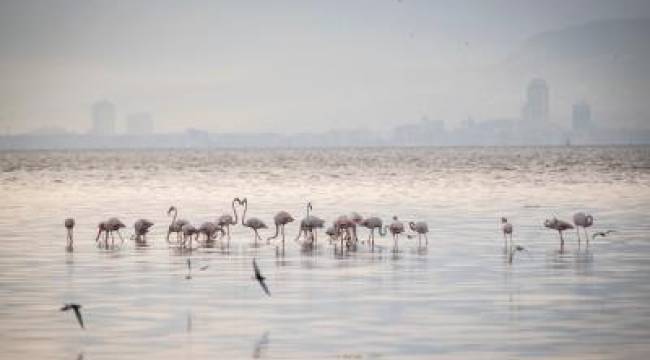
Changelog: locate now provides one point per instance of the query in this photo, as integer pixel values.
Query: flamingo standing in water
(343, 225)
(356, 219)
(225, 220)
(253, 223)
(280, 219)
(188, 230)
(506, 229)
(421, 228)
(69, 226)
(396, 228)
(141, 228)
(310, 225)
(210, 230)
(371, 224)
(559, 225)
(582, 220)
(109, 227)
(176, 226)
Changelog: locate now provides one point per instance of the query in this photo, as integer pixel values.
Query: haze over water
(459, 298)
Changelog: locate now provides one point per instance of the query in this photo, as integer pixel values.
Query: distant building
(103, 118)
(139, 124)
(535, 113)
(581, 117)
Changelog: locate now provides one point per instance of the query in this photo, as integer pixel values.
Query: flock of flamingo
(343, 230)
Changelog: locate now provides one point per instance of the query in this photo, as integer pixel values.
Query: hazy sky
(271, 66)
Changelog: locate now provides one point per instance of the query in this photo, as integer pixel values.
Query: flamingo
(395, 228)
(356, 219)
(176, 226)
(210, 229)
(343, 224)
(331, 232)
(280, 219)
(506, 228)
(188, 230)
(141, 228)
(252, 223)
(69, 225)
(102, 227)
(421, 228)
(109, 227)
(582, 220)
(373, 223)
(310, 223)
(559, 225)
(225, 220)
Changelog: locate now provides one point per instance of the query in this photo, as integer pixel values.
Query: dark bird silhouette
(77, 312)
(602, 233)
(260, 278)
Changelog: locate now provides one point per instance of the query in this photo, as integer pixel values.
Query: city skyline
(242, 68)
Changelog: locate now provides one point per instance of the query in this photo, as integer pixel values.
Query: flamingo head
(504, 220)
(171, 209)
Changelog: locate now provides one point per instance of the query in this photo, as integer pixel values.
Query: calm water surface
(459, 298)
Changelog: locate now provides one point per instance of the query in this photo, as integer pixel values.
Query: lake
(457, 298)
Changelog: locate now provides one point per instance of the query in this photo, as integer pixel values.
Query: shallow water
(457, 298)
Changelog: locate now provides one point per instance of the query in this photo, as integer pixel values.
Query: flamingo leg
(426, 240)
(282, 237)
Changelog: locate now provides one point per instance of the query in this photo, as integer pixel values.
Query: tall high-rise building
(139, 124)
(581, 117)
(103, 117)
(536, 109)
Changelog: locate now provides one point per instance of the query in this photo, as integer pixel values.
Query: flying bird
(602, 233)
(77, 312)
(260, 278)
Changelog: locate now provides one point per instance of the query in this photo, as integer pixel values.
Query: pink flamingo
(176, 226)
(69, 226)
(582, 220)
(252, 223)
(371, 224)
(559, 225)
(225, 220)
(281, 219)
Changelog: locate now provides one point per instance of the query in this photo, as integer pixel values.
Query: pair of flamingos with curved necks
(185, 231)
(344, 228)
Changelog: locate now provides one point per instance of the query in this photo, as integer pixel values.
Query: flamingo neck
(234, 211)
(244, 214)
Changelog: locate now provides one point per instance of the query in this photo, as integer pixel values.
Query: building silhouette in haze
(535, 112)
(581, 117)
(103, 118)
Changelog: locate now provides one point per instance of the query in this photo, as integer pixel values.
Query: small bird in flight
(77, 312)
(602, 233)
(260, 278)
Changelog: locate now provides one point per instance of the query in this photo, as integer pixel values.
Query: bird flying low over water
(260, 278)
(602, 233)
(77, 312)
